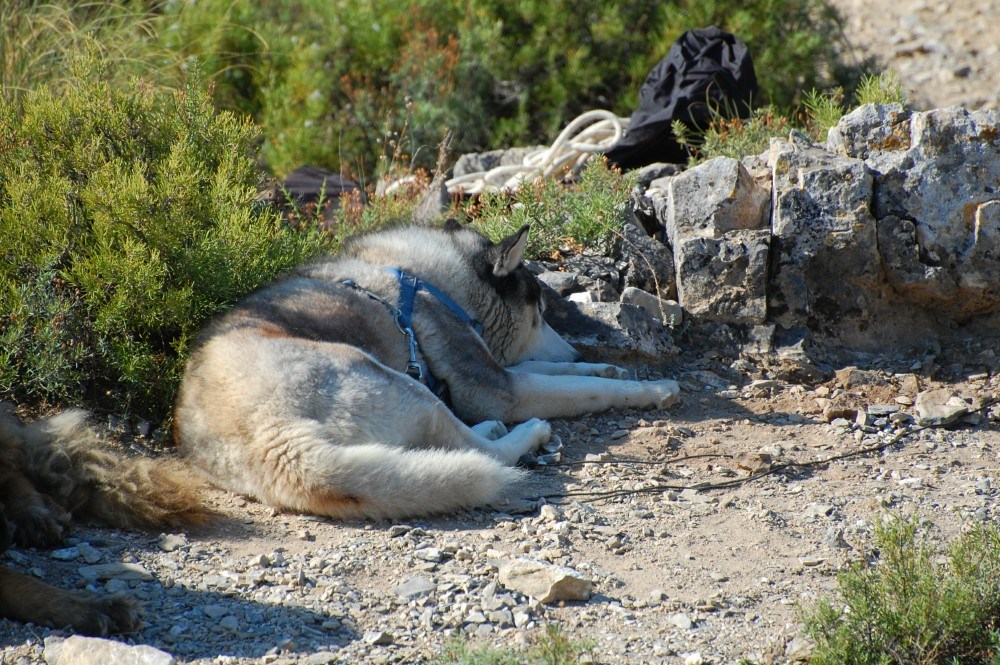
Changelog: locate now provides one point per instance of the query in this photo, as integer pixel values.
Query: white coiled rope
(589, 133)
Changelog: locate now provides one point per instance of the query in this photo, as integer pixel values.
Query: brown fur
(58, 469)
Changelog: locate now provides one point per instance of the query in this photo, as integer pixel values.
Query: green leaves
(914, 605)
(578, 215)
(127, 219)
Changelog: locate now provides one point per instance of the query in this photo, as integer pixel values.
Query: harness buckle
(414, 371)
(413, 368)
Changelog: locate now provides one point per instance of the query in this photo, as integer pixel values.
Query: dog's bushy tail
(380, 481)
(91, 478)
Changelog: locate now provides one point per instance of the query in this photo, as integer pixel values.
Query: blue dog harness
(402, 314)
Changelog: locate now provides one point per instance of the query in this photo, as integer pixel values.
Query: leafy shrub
(738, 138)
(824, 110)
(912, 608)
(127, 219)
(330, 85)
(733, 137)
(882, 88)
(579, 215)
(552, 60)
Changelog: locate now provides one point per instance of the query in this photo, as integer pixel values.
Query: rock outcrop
(887, 234)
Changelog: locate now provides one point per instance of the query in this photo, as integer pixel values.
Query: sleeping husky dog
(57, 470)
(344, 389)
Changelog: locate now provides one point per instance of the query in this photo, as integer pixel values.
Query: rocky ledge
(886, 237)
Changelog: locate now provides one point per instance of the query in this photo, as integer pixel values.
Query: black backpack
(706, 73)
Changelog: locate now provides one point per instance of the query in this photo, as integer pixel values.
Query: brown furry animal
(58, 469)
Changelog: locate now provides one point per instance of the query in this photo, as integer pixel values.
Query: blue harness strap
(402, 314)
(410, 284)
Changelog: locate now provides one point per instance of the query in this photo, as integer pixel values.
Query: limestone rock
(378, 638)
(79, 650)
(937, 201)
(869, 129)
(478, 162)
(852, 377)
(563, 283)
(415, 587)
(116, 571)
(544, 582)
(649, 263)
(667, 311)
(650, 173)
(825, 267)
(724, 279)
(713, 198)
(618, 328)
(940, 407)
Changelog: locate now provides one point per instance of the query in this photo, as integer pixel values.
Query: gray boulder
(723, 279)
(711, 199)
(544, 582)
(649, 263)
(825, 264)
(937, 192)
(716, 217)
(888, 234)
(667, 311)
(870, 129)
(479, 162)
(79, 650)
(617, 329)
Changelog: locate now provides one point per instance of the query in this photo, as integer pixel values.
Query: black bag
(706, 73)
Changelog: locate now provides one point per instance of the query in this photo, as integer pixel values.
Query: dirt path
(946, 51)
(679, 576)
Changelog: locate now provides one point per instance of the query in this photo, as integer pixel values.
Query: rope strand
(589, 133)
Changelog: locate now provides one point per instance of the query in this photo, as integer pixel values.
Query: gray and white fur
(298, 397)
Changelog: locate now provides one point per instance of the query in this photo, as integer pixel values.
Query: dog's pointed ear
(451, 224)
(511, 251)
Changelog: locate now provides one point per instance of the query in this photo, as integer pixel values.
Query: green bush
(741, 137)
(825, 109)
(883, 88)
(585, 213)
(733, 137)
(331, 85)
(553, 647)
(127, 219)
(915, 606)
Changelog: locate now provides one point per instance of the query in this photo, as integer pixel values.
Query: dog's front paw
(535, 430)
(522, 440)
(614, 372)
(667, 393)
(491, 429)
(95, 615)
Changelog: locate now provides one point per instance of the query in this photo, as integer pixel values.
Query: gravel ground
(946, 51)
(680, 576)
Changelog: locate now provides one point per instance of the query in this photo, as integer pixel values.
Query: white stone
(544, 582)
(79, 650)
